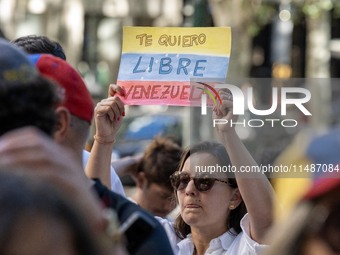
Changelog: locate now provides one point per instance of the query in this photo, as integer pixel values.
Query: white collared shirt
(226, 244)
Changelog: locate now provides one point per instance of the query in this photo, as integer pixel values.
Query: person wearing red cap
(28, 123)
(29, 150)
(77, 101)
(313, 228)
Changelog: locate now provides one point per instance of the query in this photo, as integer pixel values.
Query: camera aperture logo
(211, 92)
(286, 95)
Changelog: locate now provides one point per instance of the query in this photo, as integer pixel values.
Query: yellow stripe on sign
(193, 40)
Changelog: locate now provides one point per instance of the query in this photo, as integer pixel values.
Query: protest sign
(158, 63)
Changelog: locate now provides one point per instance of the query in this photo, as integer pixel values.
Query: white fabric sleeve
(116, 184)
(170, 231)
(244, 244)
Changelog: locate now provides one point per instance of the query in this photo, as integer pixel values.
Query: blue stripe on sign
(171, 67)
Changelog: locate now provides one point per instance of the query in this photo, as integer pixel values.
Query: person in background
(152, 175)
(313, 226)
(310, 223)
(77, 101)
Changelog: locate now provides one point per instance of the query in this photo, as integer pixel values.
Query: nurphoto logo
(284, 94)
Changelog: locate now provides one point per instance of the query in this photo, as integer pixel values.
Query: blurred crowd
(57, 198)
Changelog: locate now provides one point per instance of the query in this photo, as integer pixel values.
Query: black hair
(35, 44)
(160, 160)
(30, 103)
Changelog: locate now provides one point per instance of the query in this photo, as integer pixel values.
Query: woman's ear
(235, 200)
(63, 124)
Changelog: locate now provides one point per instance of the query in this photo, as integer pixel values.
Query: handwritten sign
(157, 64)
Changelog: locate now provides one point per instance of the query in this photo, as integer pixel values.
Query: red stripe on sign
(161, 93)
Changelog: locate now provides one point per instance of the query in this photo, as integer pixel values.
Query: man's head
(154, 189)
(78, 99)
(26, 98)
(77, 107)
(34, 44)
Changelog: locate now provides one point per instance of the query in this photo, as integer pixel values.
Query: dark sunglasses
(180, 180)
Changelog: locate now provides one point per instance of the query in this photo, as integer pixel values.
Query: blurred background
(276, 39)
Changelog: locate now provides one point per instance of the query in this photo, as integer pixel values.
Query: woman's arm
(108, 117)
(255, 188)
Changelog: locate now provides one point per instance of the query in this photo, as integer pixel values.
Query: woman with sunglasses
(213, 218)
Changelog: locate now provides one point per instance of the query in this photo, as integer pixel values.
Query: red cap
(322, 186)
(78, 99)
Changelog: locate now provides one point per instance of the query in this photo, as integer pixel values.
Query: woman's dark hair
(219, 152)
(160, 160)
(22, 195)
(35, 44)
(29, 103)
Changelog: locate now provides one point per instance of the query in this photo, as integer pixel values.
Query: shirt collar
(187, 246)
